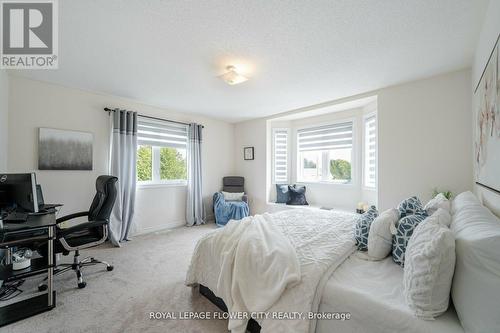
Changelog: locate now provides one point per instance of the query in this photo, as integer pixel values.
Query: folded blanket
(273, 263)
(261, 251)
(228, 210)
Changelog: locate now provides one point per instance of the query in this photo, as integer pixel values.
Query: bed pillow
(439, 201)
(282, 194)
(475, 290)
(297, 195)
(410, 206)
(229, 196)
(362, 228)
(380, 236)
(429, 266)
(463, 201)
(403, 232)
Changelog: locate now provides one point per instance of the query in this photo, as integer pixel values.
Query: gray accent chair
(224, 211)
(234, 184)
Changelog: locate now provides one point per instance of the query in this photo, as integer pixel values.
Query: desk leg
(50, 273)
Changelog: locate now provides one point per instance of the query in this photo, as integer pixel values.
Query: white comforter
(274, 263)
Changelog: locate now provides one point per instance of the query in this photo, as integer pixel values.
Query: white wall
(425, 138)
(36, 104)
(253, 134)
(4, 107)
(487, 39)
(424, 134)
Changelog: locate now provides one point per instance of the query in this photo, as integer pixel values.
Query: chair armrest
(71, 216)
(218, 196)
(61, 233)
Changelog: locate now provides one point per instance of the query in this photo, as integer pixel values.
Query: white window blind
(280, 155)
(370, 160)
(335, 136)
(157, 133)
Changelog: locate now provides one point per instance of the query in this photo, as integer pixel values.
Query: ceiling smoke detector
(232, 76)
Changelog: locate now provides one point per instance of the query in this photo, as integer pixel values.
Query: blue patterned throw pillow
(404, 230)
(410, 206)
(362, 228)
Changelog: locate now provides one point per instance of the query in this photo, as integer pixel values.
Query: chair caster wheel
(42, 287)
(82, 285)
(110, 268)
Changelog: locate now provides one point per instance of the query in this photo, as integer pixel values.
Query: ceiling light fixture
(232, 76)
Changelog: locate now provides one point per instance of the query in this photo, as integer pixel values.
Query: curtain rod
(161, 119)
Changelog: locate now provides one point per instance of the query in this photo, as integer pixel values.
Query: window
(280, 155)
(161, 152)
(370, 151)
(325, 153)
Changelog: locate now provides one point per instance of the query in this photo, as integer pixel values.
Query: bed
(371, 291)
(335, 279)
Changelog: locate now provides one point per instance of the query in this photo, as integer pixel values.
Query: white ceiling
(297, 53)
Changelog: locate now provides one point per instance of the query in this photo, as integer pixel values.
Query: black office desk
(37, 228)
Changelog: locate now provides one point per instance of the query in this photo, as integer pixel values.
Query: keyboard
(16, 217)
(48, 206)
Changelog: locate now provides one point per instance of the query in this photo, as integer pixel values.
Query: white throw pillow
(429, 266)
(228, 196)
(380, 236)
(439, 201)
(476, 292)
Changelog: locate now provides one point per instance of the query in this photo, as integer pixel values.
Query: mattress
(372, 292)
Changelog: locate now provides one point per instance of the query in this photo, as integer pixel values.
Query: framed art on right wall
(487, 124)
(248, 153)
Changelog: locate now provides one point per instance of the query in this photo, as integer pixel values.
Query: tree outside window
(161, 164)
(340, 169)
(172, 164)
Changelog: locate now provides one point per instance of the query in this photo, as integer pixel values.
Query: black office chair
(88, 234)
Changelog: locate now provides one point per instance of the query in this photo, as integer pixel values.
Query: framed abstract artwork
(487, 124)
(64, 150)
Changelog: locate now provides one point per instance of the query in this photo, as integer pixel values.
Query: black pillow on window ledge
(297, 195)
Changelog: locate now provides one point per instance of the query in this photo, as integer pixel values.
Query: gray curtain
(123, 158)
(195, 212)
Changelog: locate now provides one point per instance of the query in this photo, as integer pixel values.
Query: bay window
(370, 151)
(280, 155)
(324, 153)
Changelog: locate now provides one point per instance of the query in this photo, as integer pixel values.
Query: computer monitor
(18, 192)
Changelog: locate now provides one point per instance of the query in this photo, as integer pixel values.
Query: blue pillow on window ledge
(297, 195)
(282, 193)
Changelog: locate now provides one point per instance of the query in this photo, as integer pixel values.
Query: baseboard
(169, 226)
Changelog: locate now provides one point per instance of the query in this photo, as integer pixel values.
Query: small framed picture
(248, 153)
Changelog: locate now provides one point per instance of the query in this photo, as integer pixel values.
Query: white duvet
(273, 263)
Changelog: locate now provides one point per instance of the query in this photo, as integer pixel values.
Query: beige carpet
(148, 276)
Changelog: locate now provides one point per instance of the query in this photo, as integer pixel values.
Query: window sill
(284, 205)
(160, 185)
(310, 206)
(325, 183)
(372, 189)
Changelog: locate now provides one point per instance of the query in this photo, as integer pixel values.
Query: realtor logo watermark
(29, 34)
